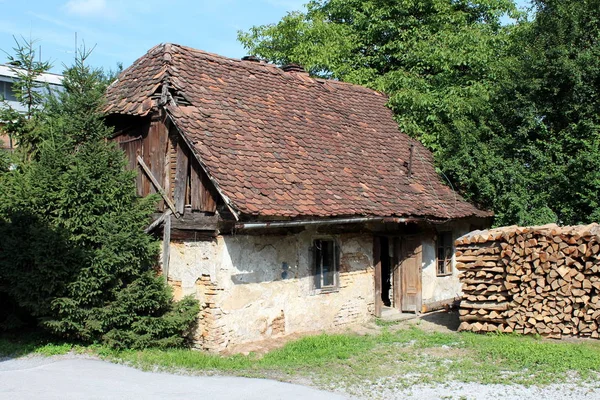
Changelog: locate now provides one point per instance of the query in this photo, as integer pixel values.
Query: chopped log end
(540, 280)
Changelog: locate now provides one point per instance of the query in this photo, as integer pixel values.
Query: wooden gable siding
(170, 160)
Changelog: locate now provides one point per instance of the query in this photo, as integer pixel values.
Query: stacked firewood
(537, 280)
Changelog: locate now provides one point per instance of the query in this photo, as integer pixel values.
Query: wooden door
(410, 274)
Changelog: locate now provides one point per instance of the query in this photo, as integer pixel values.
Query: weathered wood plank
(485, 306)
(196, 187)
(210, 204)
(377, 264)
(166, 178)
(157, 185)
(181, 174)
(158, 221)
(196, 236)
(197, 221)
(208, 201)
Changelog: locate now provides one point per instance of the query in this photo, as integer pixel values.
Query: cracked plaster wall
(438, 288)
(263, 285)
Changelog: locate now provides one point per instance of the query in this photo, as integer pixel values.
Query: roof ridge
(273, 68)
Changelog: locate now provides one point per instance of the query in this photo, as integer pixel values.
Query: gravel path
(78, 377)
(474, 391)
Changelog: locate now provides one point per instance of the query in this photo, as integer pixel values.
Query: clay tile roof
(282, 144)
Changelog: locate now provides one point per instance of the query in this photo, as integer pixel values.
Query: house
(8, 75)
(289, 204)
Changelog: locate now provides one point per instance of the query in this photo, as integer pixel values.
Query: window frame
(6, 91)
(444, 267)
(319, 288)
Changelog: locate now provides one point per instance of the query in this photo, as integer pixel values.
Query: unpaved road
(68, 378)
(75, 377)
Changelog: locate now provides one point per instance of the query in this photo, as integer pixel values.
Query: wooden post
(377, 264)
(166, 247)
(397, 282)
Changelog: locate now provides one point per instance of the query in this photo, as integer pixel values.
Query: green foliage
(432, 57)
(84, 89)
(4, 161)
(541, 161)
(73, 252)
(510, 112)
(22, 127)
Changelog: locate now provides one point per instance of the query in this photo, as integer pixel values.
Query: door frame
(397, 243)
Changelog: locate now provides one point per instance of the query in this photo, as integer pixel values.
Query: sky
(123, 30)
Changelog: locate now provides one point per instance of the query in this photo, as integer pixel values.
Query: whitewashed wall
(439, 288)
(256, 297)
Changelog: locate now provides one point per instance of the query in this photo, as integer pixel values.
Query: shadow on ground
(441, 321)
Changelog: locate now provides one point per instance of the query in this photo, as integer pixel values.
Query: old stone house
(289, 204)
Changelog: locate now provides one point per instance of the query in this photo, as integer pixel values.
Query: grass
(394, 358)
(26, 343)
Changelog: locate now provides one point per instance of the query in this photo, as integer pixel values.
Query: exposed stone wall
(256, 287)
(439, 288)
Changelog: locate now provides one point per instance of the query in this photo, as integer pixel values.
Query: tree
(547, 105)
(73, 252)
(437, 60)
(29, 92)
(510, 112)
(4, 161)
(562, 61)
(434, 58)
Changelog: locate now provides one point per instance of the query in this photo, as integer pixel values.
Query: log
(543, 280)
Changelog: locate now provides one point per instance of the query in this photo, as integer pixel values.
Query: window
(6, 91)
(445, 250)
(325, 264)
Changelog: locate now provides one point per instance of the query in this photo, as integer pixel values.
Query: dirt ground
(438, 321)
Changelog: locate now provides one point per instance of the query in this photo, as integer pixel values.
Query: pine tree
(30, 92)
(73, 251)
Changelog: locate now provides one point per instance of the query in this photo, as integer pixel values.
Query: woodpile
(536, 280)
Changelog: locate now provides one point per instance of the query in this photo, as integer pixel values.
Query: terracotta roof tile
(281, 144)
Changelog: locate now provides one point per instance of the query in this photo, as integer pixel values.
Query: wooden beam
(197, 222)
(166, 247)
(159, 188)
(196, 236)
(158, 221)
(377, 264)
(397, 282)
(442, 304)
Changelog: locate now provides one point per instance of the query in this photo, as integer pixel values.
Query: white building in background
(7, 79)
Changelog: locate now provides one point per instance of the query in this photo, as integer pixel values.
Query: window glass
(6, 91)
(325, 266)
(445, 250)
